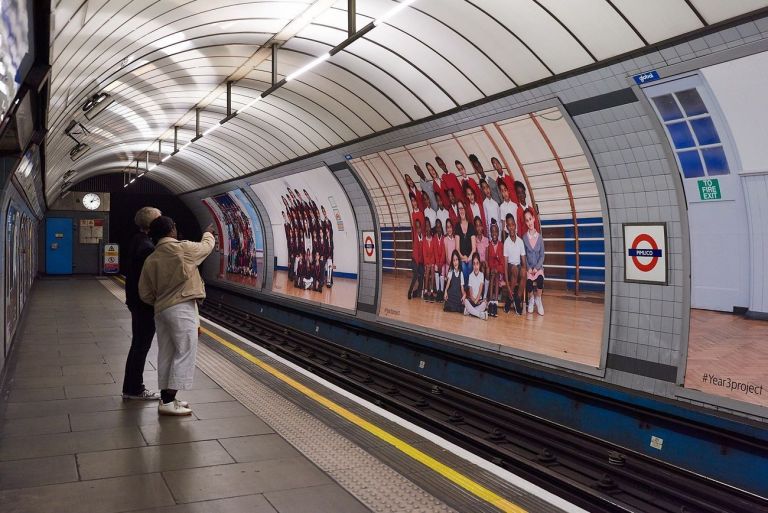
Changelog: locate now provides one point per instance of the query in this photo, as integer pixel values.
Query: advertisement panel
(713, 123)
(316, 246)
(241, 241)
(477, 224)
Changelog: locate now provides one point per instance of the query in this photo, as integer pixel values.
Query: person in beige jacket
(171, 283)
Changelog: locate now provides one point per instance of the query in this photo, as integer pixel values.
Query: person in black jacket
(142, 314)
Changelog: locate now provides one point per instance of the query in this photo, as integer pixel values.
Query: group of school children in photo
(242, 248)
(474, 243)
(309, 238)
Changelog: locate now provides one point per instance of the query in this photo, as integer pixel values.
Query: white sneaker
(539, 306)
(173, 408)
(466, 312)
(145, 395)
(531, 302)
(484, 316)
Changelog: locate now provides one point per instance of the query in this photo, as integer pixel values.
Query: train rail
(589, 472)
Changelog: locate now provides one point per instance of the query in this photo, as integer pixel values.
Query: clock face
(91, 201)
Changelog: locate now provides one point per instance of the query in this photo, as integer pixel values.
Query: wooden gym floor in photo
(343, 293)
(728, 347)
(571, 328)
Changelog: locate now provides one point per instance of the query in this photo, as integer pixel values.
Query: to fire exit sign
(709, 189)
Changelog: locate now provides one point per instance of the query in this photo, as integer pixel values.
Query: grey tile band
(601, 102)
(645, 368)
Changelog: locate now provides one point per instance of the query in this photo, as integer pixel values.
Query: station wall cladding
(655, 163)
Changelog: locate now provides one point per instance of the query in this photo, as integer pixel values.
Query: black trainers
(518, 305)
(507, 305)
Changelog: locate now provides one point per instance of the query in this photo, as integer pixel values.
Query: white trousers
(475, 310)
(176, 346)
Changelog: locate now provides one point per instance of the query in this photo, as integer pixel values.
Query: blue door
(58, 245)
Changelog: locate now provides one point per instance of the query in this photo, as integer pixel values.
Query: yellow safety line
(442, 469)
(120, 279)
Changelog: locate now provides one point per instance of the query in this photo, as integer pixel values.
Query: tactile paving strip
(373, 483)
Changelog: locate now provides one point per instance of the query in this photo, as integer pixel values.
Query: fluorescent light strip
(165, 158)
(402, 5)
(250, 103)
(308, 67)
(211, 129)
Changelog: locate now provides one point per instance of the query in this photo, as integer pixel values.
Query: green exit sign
(709, 189)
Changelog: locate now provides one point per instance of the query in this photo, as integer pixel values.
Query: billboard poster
(720, 155)
(494, 235)
(241, 241)
(315, 237)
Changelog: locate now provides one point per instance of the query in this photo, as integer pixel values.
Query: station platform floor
(263, 438)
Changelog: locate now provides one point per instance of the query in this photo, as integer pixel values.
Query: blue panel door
(58, 245)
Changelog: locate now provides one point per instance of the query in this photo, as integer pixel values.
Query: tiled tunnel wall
(647, 335)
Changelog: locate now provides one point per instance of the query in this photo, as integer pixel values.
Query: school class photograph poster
(314, 236)
(240, 243)
(532, 168)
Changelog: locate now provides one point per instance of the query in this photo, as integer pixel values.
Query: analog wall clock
(91, 201)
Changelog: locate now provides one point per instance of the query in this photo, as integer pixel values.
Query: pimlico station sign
(645, 253)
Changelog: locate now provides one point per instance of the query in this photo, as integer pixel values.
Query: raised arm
(199, 251)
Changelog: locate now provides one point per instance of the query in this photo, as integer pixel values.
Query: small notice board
(111, 258)
(91, 231)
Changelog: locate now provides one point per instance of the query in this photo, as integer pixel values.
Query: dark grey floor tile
(100, 496)
(243, 479)
(156, 458)
(203, 381)
(330, 498)
(22, 447)
(259, 448)
(78, 349)
(98, 390)
(124, 417)
(245, 504)
(205, 395)
(36, 394)
(37, 371)
(57, 407)
(34, 426)
(87, 368)
(203, 430)
(53, 381)
(56, 359)
(221, 410)
(37, 472)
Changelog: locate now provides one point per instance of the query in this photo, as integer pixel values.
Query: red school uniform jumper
(451, 182)
(428, 249)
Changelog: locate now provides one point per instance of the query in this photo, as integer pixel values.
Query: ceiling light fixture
(308, 66)
(392, 12)
(250, 103)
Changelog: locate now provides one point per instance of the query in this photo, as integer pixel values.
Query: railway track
(589, 472)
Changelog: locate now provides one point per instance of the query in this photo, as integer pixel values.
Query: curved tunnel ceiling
(161, 60)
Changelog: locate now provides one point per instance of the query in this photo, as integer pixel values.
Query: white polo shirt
(508, 207)
(514, 251)
(491, 212)
(431, 215)
(475, 282)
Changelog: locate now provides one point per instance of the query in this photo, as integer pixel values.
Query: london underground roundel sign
(369, 247)
(645, 253)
